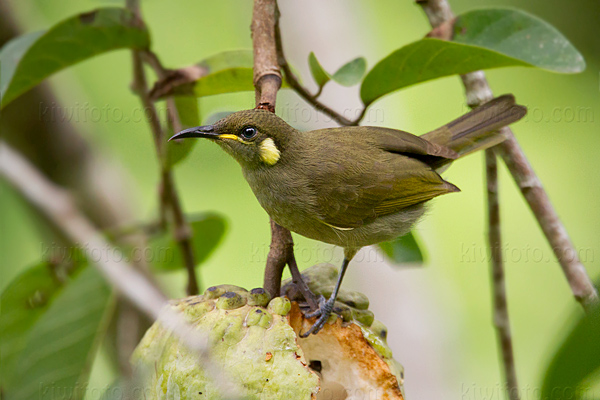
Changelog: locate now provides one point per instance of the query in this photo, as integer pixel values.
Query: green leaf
(351, 73)
(226, 72)
(226, 81)
(227, 60)
(57, 359)
(11, 54)
(23, 302)
(187, 108)
(428, 59)
(214, 117)
(403, 250)
(577, 359)
(320, 76)
(484, 39)
(26, 61)
(208, 230)
(519, 35)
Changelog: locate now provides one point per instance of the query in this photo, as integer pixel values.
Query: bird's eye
(248, 132)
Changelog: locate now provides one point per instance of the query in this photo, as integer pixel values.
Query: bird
(350, 186)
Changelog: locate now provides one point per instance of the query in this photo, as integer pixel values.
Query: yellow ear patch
(269, 153)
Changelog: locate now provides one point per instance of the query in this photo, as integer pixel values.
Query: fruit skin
(255, 345)
(260, 347)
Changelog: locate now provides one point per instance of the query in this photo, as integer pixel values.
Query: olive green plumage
(351, 186)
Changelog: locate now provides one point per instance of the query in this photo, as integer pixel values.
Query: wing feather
(356, 181)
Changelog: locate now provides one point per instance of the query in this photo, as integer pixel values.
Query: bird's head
(255, 138)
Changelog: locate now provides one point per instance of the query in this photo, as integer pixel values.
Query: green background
(439, 316)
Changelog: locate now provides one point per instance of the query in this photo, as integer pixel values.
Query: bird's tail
(478, 130)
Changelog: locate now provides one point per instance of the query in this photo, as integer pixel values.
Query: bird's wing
(382, 173)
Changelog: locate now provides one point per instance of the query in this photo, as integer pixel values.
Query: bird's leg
(325, 307)
(309, 296)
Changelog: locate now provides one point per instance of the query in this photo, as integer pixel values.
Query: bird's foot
(323, 312)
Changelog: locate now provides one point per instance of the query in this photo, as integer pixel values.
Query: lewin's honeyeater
(350, 186)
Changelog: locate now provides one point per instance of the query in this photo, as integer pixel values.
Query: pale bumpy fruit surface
(257, 342)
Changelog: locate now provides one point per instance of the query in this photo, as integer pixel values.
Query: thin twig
(439, 12)
(477, 94)
(501, 319)
(60, 208)
(295, 84)
(168, 198)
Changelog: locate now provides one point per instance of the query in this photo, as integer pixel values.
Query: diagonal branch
(531, 187)
(60, 208)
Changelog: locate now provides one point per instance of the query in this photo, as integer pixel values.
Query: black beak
(207, 131)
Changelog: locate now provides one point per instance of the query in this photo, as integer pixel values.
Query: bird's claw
(323, 312)
(322, 301)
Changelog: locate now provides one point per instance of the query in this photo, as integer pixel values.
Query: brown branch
(60, 208)
(295, 84)
(531, 187)
(267, 81)
(168, 198)
(267, 77)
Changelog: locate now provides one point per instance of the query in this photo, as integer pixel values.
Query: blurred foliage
(404, 249)
(36, 56)
(575, 362)
(319, 74)
(212, 182)
(208, 230)
(24, 301)
(189, 115)
(348, 74)
(53, 344)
